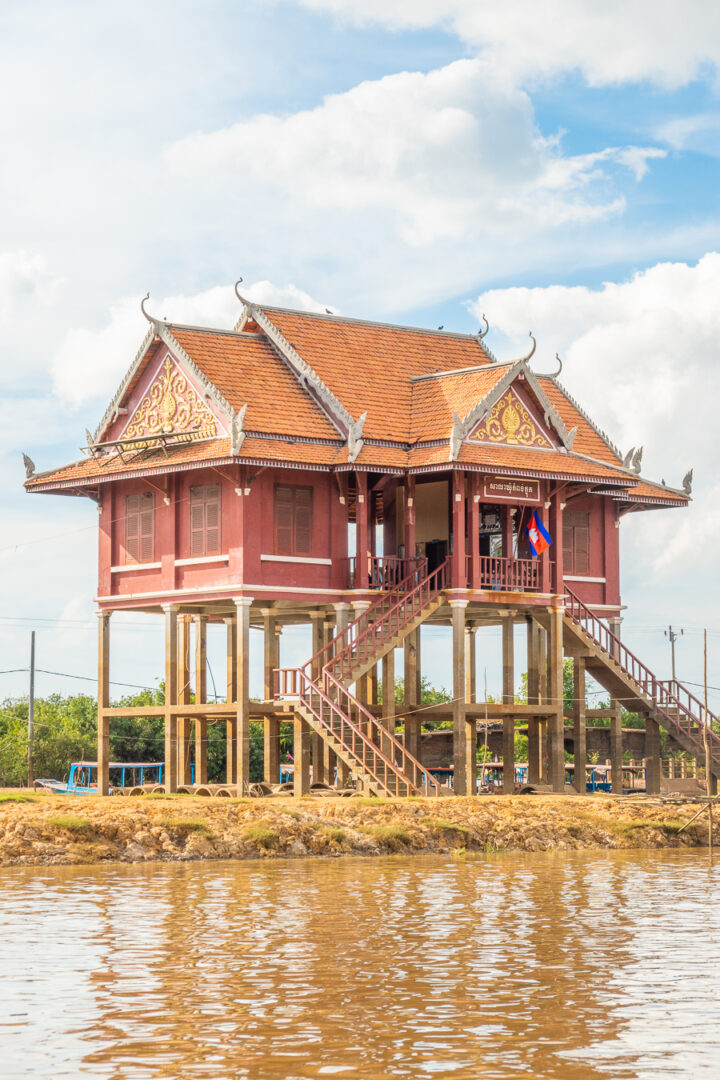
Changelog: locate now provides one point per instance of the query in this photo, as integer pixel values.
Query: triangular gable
(512, 422)
(171, 406)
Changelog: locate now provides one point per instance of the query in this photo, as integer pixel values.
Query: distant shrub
(333, 832)
(393, 836)
(71, 822)
(261, 834)
(186, 826)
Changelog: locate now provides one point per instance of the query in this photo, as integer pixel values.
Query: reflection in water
(581, 966)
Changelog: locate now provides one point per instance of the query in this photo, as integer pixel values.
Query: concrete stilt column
(411, 690)
(271, 729)
(271, 751)
(388, 691)
(184, 723)
(616, 748)
(463, 742)
(534, 724)
(470, 664)
(318, 763)
(103, 734)
(231, 696)
(301, 756)
(329, 756)
(171, 647)
(652, 755)
(201, 773)
(342, 621)
(579, 726)
(242, 669)
(556, 744)
(508, 658)
(542, 651)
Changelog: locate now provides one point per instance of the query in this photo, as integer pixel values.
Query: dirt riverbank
(43, 829)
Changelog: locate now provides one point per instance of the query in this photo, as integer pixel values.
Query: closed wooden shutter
(293, 520)
(205, 520)
(140, 527)
(576, 542)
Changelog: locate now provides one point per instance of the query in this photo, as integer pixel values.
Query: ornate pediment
(171, 406)
(511, 422)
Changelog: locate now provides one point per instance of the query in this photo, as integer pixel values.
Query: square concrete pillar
(579, 725)
(231, 697)
(412, 693)
(201, 773)
(616, 749)
(301, 756)
(184, 723)
(171, 648)
(103, 735)
(242, 670)
(556, 732)
(464, 753)
(388, 691)
(271, 751)
(470, 664)
(652, 756)
(508, 660)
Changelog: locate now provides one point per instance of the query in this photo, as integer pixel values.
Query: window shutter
(212, 520)
(197, 521)
(283, 520)
(303, 520)
(582, 544)
(140, 527)
(132, 528)
(567, 544)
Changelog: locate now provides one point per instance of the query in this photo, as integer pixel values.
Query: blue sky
(555, 165)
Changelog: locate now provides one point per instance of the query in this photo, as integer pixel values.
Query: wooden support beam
(103, 722)
(242, 669)
(410, 517)
(474, 529)
(556, 733)
(458, 572)
(201, 761)
(388, 691)
(616, 749)
(362, 532)
(579, 725)
(556, 531)
(508, 661)
(171, 647)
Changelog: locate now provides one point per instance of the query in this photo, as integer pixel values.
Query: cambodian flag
(540, 539)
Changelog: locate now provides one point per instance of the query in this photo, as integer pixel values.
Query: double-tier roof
(320, 391)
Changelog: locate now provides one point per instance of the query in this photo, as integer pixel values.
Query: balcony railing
(383, 571)
(494, 572)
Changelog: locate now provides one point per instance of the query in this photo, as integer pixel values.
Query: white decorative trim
(296, 559)
(202, 559)
(201, 589)
(593, 580)
(135, 566)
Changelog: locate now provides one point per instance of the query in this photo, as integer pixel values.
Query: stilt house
(365, 478)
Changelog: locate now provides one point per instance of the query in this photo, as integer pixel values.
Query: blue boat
(82, 778)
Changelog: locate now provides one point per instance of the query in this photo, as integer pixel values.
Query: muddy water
(573, 965)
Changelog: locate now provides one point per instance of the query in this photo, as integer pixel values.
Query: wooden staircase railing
(679, 709)
(320, 686)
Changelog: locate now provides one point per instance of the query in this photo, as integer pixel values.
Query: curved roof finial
(555, 374)
(242, 299)
(524, 359)
(481, 333)
(142, 308)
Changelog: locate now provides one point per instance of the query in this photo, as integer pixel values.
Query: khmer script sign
(508, 489)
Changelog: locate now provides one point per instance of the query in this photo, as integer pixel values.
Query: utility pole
(31, 712)
(672, 636)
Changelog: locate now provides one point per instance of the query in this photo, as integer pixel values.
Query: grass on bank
(261, 834)
(186, 825)
(394, 837)
(446, 826)
(71, 822)
(17, 798)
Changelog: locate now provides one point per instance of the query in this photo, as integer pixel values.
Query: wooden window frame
(139, 527)
(293, 534)
(205, 520)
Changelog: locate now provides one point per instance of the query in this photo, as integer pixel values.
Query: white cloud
(90, 363)
(669, 44)
(448, 155)
(641, 356)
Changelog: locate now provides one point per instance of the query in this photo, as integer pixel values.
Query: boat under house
(366, 479)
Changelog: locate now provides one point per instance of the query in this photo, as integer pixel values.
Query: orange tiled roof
(368, 366)
(656, 493)
(246, 370)
(435, 400)
(548, 462)
(587, 441)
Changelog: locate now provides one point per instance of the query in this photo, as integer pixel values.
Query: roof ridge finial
(149, 317)
(481, 333)
(524, 359)
(241, 298)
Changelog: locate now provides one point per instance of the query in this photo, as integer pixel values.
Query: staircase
(620, 672)
(378, 761)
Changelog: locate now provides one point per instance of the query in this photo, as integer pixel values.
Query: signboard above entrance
(508, 489)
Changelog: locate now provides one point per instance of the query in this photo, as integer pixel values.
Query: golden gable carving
(171, 406)
(511, 423)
